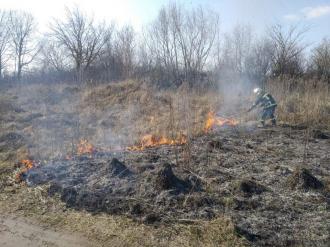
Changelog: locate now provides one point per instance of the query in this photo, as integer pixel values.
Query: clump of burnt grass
(302, 178)
(302, 101)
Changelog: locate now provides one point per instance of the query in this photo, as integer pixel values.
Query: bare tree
(259, 61)
(4, 40)
(180, 41)
(320, 59)
(236, 50)
(22, 29)
(124, 49)
(196, 38)
(107, 62)
(53, 58)
(288, 50)
(144, 61)
(81, 37)
(162, 41)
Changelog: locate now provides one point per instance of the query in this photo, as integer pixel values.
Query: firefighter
(268, 103)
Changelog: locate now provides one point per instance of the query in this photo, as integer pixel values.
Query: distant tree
(196, 39)
(125, 49)
(259, 61)
(288, 47)
(53, 58)
(236, 50)
(107, 64)
(162, 42)
(320, 60)
(22, 29)
(81, 37)
(144, 61)
(4, 40)
(179, 41)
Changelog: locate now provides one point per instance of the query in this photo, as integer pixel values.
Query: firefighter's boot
(262, 124)
(274, 122)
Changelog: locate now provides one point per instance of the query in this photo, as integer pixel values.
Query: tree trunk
(79, 72)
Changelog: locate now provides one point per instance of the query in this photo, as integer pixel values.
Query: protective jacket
(265, 100)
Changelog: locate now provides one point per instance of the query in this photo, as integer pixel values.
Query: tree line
(178, 45)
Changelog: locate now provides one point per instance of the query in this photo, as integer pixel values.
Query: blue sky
(262, 13)
(257, 13)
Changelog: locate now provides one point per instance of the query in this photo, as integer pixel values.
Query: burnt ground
(273, 183)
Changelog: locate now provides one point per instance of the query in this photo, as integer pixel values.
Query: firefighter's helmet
(257, 91)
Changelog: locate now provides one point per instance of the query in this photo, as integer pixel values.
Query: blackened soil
(273, 183)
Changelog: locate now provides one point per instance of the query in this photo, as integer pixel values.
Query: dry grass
(302, 101)
(134, 110)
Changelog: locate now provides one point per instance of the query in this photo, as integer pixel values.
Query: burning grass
(142, 116)
(84, 147)
(149, 141)
(23, 168)
(212, 121)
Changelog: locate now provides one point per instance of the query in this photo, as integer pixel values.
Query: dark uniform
(268, 103)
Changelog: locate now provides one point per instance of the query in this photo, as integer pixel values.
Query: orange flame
(213, 120)
(84, 147)
(149, 141)
(27, 163)
(25, 166)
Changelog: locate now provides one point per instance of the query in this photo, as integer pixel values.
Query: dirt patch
(21, 232)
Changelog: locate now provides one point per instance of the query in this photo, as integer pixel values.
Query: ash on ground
(273, 186)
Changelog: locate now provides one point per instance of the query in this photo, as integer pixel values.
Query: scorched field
(126, 166)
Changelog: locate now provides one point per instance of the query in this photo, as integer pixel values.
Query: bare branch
(81, 37)
(22, 28)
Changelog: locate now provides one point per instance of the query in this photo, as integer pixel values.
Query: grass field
(42, 122)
